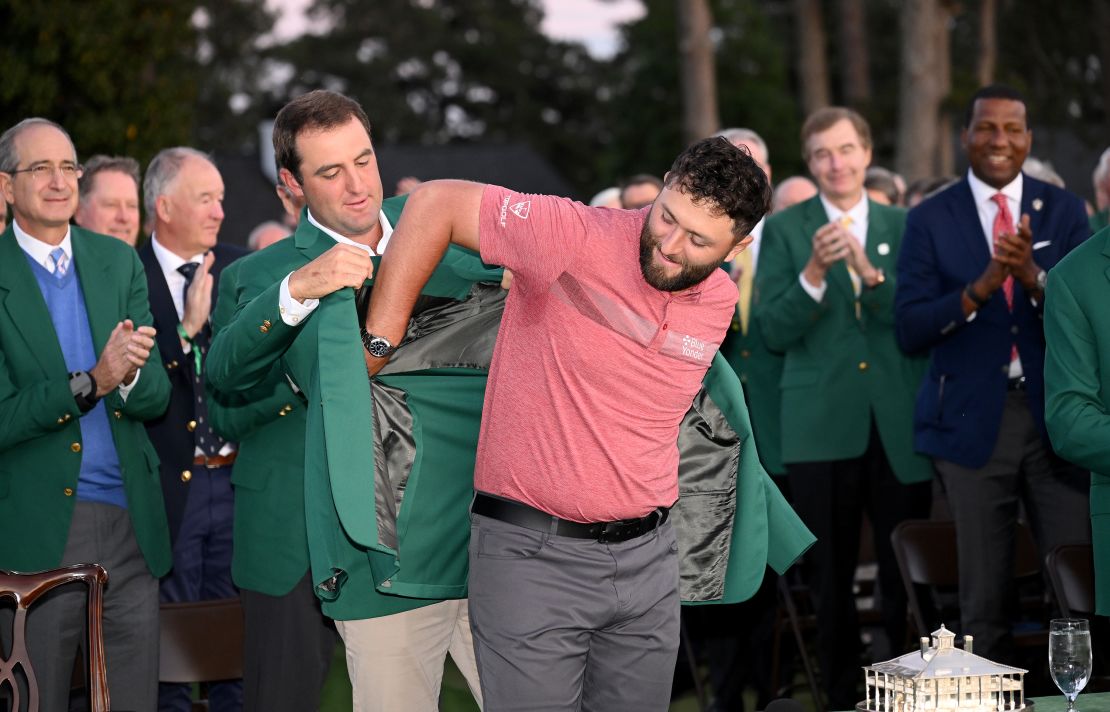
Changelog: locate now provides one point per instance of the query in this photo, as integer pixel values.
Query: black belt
(1016, 384)
(530, 518)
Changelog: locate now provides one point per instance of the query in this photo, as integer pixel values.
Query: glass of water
(1069, 656)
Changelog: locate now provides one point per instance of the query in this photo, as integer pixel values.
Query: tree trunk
(812, 69)
(697, 75)
(1102, 19)
(853, 53)
(988, 42)
(924, 79)
(945, 160)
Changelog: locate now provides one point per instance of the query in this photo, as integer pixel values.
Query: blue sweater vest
(100, 478)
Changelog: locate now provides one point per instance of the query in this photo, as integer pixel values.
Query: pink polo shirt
(593, 369)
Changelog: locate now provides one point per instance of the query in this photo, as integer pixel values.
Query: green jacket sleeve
(246, 349)
(1075, 411)
(784, 310)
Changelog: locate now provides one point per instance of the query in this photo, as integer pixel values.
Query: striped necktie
(61, 262)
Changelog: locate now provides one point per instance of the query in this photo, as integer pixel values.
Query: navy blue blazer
(959, 405)
(172, 439)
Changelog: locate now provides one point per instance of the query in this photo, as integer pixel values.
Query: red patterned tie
(1004, 225)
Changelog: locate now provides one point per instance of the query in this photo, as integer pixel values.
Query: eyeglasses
(42, 172)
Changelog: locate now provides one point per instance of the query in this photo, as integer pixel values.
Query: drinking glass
(1069, 656)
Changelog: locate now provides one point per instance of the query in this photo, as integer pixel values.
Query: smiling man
(184, 194)
(971, 281)
(824, 296)
(612, 321)
(110, 197)
(79, 480)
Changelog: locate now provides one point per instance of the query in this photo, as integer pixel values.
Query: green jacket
(1077, 382)
(40, 438)
(1100, 220)
(839, 371)
(270, 553)
(760, 370)
(388, 476)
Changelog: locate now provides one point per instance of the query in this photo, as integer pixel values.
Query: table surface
(1086, 702)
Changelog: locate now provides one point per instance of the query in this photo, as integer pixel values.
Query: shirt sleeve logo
(521, 209)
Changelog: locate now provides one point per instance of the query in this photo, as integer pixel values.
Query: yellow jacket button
(745, 353)
(68, 491)
(191, 425)
(863, 365)
(61, 421)
(186, 475)
(172, 364)
(76, 447)
(265, 327)
(118, 414)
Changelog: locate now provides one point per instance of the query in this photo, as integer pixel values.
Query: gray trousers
(98, 534)
(573, 624)
(984, 504)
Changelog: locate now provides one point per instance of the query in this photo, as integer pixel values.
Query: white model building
(943, 677)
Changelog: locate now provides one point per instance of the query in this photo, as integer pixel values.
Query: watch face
(379, 347)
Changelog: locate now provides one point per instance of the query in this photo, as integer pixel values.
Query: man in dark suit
(824, 296)
(184, 193)
(971, 280)
(77, 472)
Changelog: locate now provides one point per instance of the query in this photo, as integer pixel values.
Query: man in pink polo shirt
(612, 321)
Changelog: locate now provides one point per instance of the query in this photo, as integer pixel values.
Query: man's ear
(290, 182)
(6, 189)
(162, 208)
(739, 247)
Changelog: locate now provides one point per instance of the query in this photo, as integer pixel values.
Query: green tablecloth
(1086, 702)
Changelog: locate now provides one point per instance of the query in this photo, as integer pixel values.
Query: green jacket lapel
(347, 406)
(311, 240)
(880, 228)
(25, 307)
(93, 271)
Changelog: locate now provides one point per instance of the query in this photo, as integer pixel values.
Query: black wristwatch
(377, 346)
(83, 387)
(979, 302)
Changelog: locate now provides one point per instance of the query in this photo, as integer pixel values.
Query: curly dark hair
(725, 177)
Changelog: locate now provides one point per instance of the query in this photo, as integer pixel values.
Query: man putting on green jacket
(612, 322)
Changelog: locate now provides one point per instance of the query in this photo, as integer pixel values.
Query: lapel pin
(884, 249)
(1038, 203)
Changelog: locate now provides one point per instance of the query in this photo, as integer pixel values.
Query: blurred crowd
(890, 339)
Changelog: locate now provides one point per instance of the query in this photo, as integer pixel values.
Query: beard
(690, 274)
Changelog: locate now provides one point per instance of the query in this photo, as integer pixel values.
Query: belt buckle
(621, 530)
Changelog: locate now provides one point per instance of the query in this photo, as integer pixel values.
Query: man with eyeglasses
(78, 476)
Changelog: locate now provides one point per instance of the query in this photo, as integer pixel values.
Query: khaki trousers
(396, 662)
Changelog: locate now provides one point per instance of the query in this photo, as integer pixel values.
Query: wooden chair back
(26, 588)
